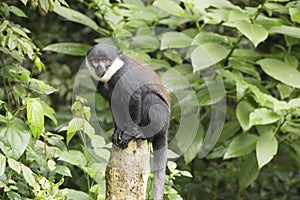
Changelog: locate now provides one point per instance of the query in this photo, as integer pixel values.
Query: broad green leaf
(262, 116)
(24, 2)
(173, 56)
(195, 147)
(15, 165)
(248, 171)
(170, 7)
(98, 142)
(284, 90)
(75, 49)
(211, 93)
(17, 11)
(254, 32)
(75, 16)
(281, 71)
(35, 117)
(28, 176)
(2, 164)
(286, 30)
(266, 148)
(14, 138)
(63, 170)
(73, 157)
(295, 14)
(229, 130)
(104, 153)
(74, 125)
(175, 40)
(207, 37)
(88, 129)
(241, 145)
(207, 55)
(243, 110)
(75, 194)
(49, 112)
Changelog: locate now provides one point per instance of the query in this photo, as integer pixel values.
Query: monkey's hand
(121, 138)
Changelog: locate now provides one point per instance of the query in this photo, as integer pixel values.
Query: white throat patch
(115, 66)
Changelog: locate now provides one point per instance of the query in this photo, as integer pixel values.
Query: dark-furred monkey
(139, 103)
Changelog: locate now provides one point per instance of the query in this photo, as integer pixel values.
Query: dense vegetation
(216, 57)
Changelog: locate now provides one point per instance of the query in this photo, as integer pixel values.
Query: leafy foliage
(253, 45)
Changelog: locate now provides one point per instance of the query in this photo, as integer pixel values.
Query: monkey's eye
(95, 62)
(105, 61)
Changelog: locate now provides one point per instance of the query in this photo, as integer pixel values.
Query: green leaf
(195, 147)
(248, 171)
(15, 165)
(74, 194)
(170, 7)
(17, 11)
(295, 14)
(28, 176)
(241, 145)
(98, 142)
(2, 164)
(88, 129)
(49, 112)
(243, 110)
(75, 16)
(207, 54)
(75, 49)
(175, 40)
(74, 125)
(254, 32)
(286, 30)
(211, 93)
(35, 117)
(281, 71)
(73, 157)
(207, 37)
(172, 55)
(63, 170)
(262, 116)
(14, 138)
(266, 148)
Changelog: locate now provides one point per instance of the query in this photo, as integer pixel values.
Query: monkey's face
(102, 60)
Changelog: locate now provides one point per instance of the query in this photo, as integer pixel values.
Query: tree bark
(127, 172)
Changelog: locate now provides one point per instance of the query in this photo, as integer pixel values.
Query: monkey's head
(103, 61)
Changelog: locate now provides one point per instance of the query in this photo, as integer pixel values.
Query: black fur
(140, 107)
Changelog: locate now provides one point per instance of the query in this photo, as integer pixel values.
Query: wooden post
(127, 172)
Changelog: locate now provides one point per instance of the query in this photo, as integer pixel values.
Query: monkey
(139, 103)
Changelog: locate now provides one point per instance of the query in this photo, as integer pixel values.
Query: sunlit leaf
(14, 138)
(175, 40)
(243, 110)
(73, 157)
(266, 148)
(170, 7)
(281, 71)
(254, 32)
(262, 116)
(35, 117)
(75, 49)
(207, 55)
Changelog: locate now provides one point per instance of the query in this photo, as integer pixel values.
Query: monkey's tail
(160, 147)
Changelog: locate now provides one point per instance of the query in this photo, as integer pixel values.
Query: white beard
(115, 66)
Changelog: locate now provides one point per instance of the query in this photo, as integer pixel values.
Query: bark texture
(127, 172)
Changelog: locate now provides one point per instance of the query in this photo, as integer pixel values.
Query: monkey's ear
(89, 50)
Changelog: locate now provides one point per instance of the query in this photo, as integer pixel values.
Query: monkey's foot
(121, 138)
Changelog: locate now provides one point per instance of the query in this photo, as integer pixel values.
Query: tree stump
(127, 172)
